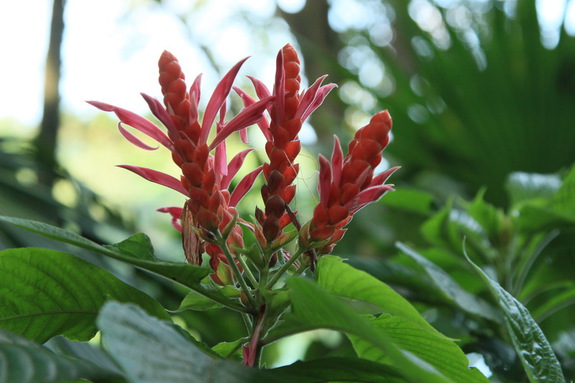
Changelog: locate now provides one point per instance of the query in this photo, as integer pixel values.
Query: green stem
(247, 321)
(222, 243)
(284, 268)
(248, 272)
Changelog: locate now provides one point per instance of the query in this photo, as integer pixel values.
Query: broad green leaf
(451, 289)
(313, 307)
(344, 280)
(533, 349)
(24, 361)
(339, 369)
(47, 293)
(150, 351)
(185, 274)
(420, 338)
(440, 352)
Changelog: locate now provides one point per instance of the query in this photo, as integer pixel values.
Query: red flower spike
(289, 109)
(347, 184)
(205, 176)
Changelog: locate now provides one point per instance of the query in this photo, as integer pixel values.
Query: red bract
(348, 184)
(287, 114)
(205, 176)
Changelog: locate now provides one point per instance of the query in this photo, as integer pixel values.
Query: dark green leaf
(150, 350)
(185, 274)
(451, 289)
(24, 361)
(533, 349)
(559, 301)
(340, 370)
(47, 293)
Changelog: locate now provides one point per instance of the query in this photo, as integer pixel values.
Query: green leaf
(523, 187)
(197, 302)
(439, 230)
(150, 350)
(557, 302)
(230, 350)
(440, 352)
(185, 274)
(418, 336)
(533, 349)
(564, 201)
(313, 307)
(138, 246)
(24, 361)
(412, 200)
(339, 369)
(451, 289)
(348, 282)
(47, 293)
(491, 219)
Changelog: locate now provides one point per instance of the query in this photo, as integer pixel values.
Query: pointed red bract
(205, 176)
(348, 184)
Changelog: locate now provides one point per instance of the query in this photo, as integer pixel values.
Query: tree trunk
(46, 139)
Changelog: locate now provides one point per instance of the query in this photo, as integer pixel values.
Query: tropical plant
(275, 272)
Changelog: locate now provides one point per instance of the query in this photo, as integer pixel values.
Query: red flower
(348, 184)
(287, 114)
(205, 176)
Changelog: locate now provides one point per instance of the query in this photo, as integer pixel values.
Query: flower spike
(347, 184)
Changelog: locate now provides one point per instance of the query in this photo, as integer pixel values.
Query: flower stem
(284, 268)
(222, 243)
(248, 272)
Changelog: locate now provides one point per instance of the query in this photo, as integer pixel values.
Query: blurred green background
(478, 90)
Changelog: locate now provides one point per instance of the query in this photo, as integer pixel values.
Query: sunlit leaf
(401, 322)
(442, 353)
(342, 279)
(313, 307)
